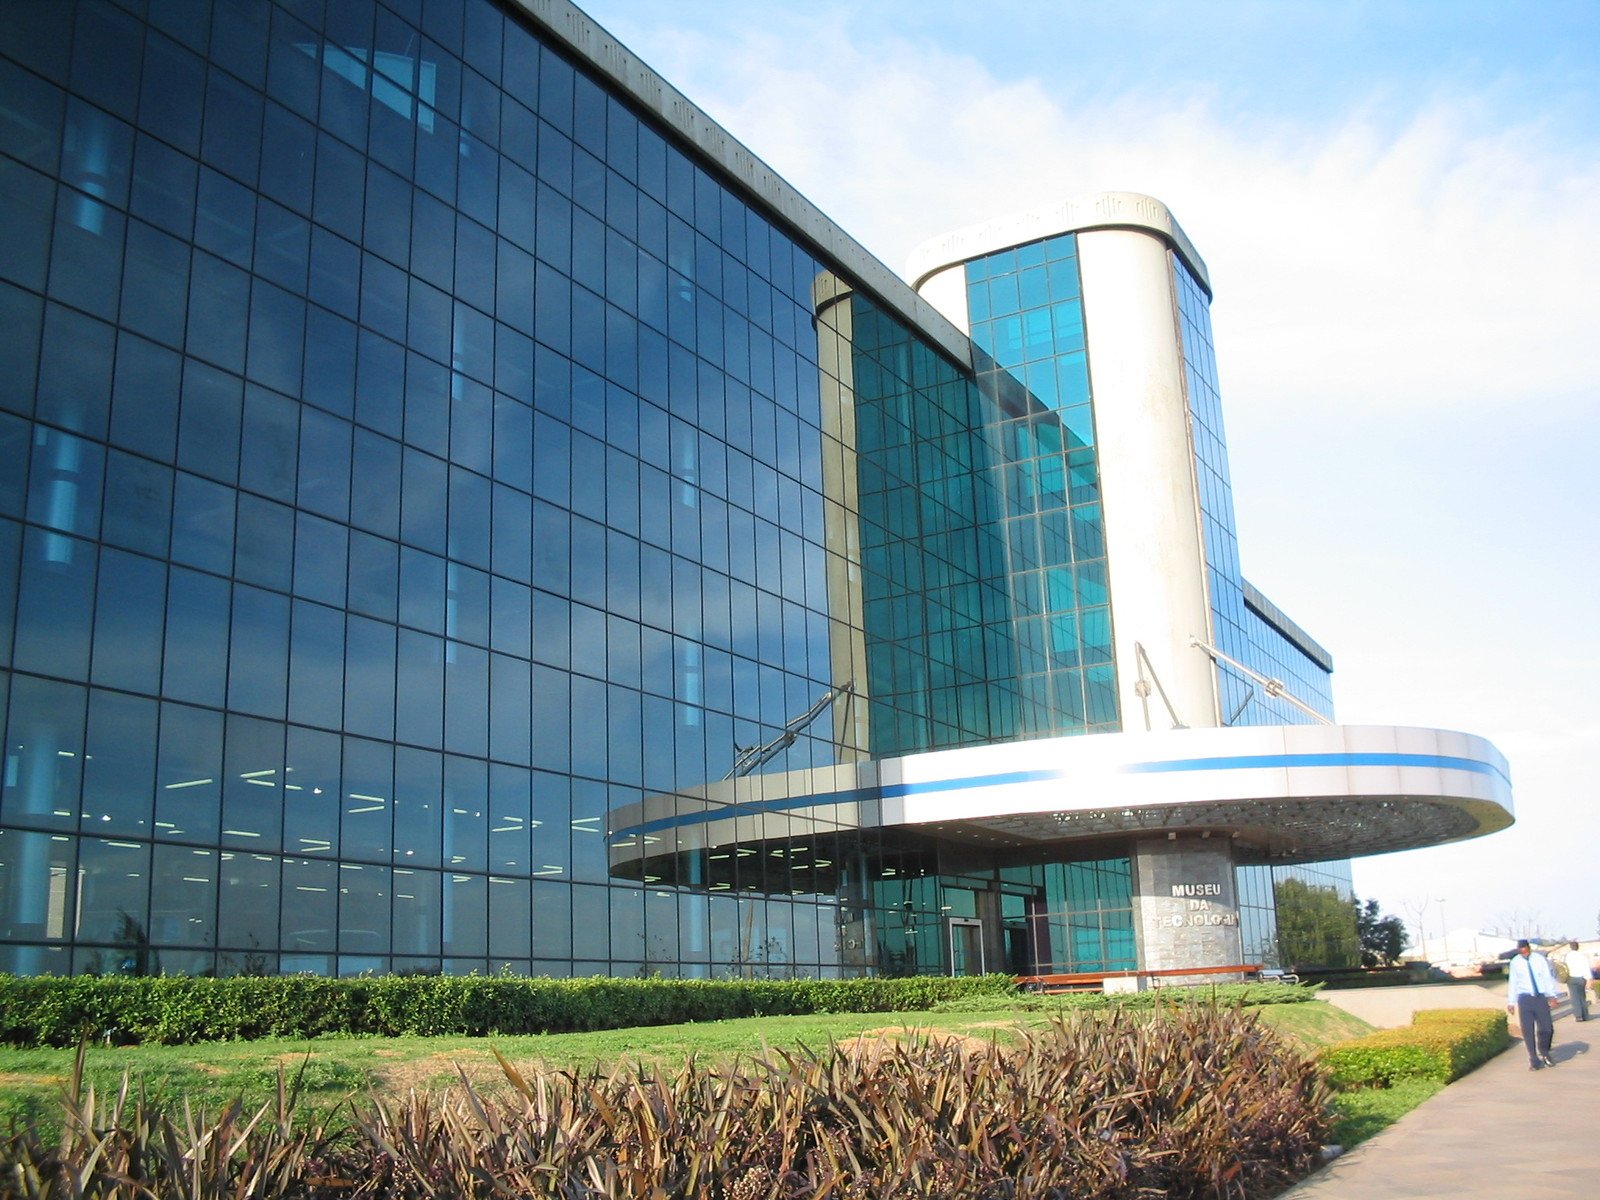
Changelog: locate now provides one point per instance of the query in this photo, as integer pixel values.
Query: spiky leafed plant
(1191, 1103)
(121, 1146)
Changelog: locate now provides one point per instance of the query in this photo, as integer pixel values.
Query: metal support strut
(748, 758)
(1141, 688)
(1273, 687)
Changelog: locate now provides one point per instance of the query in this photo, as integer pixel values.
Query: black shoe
(1545, 1060)
(1535, 1066)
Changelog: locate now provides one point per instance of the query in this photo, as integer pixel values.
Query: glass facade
(1085, 922)
(1026, 313)
(924, 457)
(414, 455)
(410, 456)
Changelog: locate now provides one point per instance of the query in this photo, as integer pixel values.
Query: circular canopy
(1281, 794)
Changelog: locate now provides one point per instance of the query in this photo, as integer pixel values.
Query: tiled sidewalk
(1502, 1133)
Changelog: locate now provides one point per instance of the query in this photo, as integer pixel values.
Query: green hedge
(1222, 995)
(1440, 1044)
(59, 1011)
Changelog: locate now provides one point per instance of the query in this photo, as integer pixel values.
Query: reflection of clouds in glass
(397, 81)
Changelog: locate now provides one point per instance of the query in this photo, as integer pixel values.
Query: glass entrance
(966, 946)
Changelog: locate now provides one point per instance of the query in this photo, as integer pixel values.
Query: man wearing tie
(1531, 993)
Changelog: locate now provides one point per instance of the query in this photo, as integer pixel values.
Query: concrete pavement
(1501, 1133)
(1386, 1006)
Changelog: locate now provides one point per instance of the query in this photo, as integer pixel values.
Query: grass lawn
(211, 1074)
(1367, 1111)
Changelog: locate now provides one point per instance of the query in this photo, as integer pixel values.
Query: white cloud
(1418, 252)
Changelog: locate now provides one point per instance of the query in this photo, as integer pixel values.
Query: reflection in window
(113, 888)
(510, 922)
(252, 790)
(552, 920)
(311, 792)
(310, 899)
(248, 906)
(36, 890)
(396, 81)
(364, 909)
(119, 764)
(417, 775)
(189, 774)
(183, 910)
(367, 829)
(53, 605)
(316, 665)
(464, 921)
(416, 912)
(466, 824)
(43, 754)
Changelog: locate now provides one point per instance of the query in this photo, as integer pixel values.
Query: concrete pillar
(1185, 905)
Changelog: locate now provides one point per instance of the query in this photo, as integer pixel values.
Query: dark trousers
(1534, 1013)
(1578, 989)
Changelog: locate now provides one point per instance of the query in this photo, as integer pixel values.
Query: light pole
(1444, 926)
(1418, 909)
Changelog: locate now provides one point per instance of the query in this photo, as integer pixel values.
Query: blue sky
(1398, 203)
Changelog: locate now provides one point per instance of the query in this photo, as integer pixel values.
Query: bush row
(1196, 1102)
(1227, 995)
(1440, 1045)
(59, 1010)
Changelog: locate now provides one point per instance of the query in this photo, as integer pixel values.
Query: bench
(1094, 981)
(1176, 975)
(1084, 981)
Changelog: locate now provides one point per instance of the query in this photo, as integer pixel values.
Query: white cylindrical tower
(1155, 554)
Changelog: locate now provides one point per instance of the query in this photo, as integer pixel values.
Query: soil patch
(875, 1043)
(424, 1074)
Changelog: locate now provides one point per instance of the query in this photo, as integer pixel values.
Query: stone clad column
(1185, 905)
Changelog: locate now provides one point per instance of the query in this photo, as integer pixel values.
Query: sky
(1399, 205)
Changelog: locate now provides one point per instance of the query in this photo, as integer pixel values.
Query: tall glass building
(460, 511)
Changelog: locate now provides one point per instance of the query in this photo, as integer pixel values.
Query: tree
(1518, 923)
(1316, 925)
(1382, 937)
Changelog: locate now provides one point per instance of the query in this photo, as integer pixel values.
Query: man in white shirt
(1532, 992)
(1580, 967)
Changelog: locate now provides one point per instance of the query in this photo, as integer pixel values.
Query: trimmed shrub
(1228, 995)
(52, 1010)
(1441, 1045)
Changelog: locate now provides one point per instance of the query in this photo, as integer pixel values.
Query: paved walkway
(1501, 1133)
(1386, 1006)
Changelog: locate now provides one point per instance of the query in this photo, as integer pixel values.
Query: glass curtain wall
(412, 456)
(1084, 919)
(938, 600)
(1026, 315)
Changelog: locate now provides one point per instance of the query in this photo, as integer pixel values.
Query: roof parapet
(1102, 210)
(739, 167)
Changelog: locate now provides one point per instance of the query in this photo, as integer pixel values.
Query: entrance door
(966, 946)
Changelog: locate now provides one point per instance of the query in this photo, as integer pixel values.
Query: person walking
(1532, 993)
(1580, 969)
